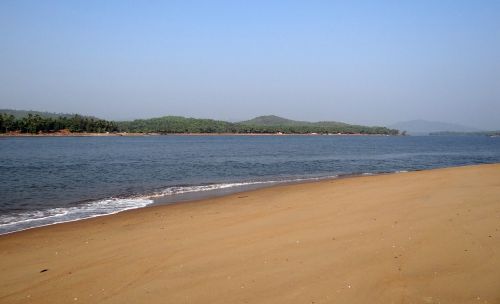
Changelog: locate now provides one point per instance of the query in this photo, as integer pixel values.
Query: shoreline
(126, 134)
(241, 187)
(201, 195)
(422, 236)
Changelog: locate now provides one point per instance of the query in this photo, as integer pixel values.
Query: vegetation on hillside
(273, 120)
(177, 125)
(36, 123)
(263, 124)
(274, 123)
(25, 113)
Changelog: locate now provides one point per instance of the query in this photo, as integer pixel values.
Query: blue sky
(370, 62)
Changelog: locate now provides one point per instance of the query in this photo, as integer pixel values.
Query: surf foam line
(37, 218)
(214, 187)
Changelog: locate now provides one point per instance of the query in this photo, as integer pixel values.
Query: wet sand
(419, 237)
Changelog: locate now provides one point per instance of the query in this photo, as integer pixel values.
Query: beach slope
(419, 237)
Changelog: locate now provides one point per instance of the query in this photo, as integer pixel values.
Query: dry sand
(419, 237)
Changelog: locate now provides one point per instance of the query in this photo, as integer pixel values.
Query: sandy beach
(419, 237)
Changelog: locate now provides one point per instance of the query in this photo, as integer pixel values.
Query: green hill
(25, 113)
(262, 124)
(45, 122)
(273, 120)
(272, 124)
(35, 122)
(177, 124)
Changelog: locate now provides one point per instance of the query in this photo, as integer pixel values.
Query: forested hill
(262, 124)
(177, 124)
(295, 126)
(35, 123)
(25, 113)
(273, 120)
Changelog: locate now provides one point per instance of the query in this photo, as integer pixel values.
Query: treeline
(36, 124)
(175, 124)
(307, 129)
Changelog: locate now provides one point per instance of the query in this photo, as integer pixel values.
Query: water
(45, 180)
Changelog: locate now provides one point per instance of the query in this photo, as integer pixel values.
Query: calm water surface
(44, 180)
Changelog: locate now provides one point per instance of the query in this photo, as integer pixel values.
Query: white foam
(30, 219)
(188, 189)
(213, 187)
(37, 218)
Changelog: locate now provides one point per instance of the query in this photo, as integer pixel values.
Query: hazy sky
(370, 62)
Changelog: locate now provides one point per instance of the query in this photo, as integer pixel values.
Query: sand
(419, 237)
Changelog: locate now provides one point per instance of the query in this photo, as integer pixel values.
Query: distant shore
(59, 134)
(67, 134)
(418, 237)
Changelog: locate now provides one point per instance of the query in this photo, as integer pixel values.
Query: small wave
(214, 187)
(37, 218)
